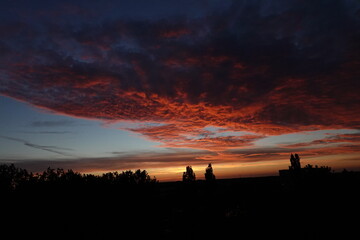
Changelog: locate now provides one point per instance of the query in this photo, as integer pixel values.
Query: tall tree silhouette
(189, 175)
(295, 162)
(209, 175)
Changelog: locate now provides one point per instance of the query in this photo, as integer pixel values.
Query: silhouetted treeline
(63, 204)
(13, 178)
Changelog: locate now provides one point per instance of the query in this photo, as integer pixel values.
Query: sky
(99, 86)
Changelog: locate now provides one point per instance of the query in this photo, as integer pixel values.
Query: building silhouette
(295, 174)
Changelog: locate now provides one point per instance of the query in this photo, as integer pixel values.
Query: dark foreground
(252, 208)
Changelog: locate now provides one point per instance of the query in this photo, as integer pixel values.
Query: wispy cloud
(124, 161)
(184, 157)
(335, 139)
(53, 149)
(53, 123)
(47, 132)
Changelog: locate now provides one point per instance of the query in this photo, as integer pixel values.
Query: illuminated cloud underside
(280, 75)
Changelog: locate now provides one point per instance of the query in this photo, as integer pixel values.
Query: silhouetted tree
(128, 177)
(295, 162)
(11, 177)
(189, 175)
(308, 166)
(209, 175)
(142, 177)
(322, 168)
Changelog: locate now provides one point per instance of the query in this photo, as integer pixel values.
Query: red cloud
(103, 96)
(190, 136)
(222, 71)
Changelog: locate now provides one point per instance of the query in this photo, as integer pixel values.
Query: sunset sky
(100, 86)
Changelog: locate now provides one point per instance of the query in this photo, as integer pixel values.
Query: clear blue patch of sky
(73, 136)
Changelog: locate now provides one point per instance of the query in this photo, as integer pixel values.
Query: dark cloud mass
(267, 67)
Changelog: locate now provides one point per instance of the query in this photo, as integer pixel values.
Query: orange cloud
(220, 70)
(183, 136)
